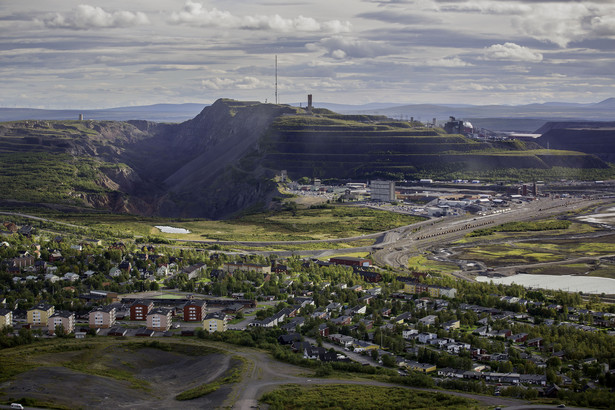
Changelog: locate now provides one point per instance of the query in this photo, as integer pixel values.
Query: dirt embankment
(121, 377)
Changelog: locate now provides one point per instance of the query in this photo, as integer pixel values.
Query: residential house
(159, 319)
(114, 272)
(70, 276)
(420, 367)
(39, 314)
(428, 320)
(536, 342)
(140, 309)
(194, 311)
(6, 318)
(409, 333)
(102, 317)
(361, 346)
(246, 267)
(193, 271)
(402, 318)
(215, 322)
(344, 340)
(342, 320)
(62, 318)
(426, 337)
(289, 339)
(518, 338)
(451, 325)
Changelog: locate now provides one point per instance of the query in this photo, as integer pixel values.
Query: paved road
(446, 230)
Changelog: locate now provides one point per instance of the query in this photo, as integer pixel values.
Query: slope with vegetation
(224, 160)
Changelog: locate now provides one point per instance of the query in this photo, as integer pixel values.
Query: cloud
(341, 47)
(447, 62)
(488, 7)
(394, 16)
(604, 25)
(511, 52)
(245, 83)
(195, 14)
(86, 17)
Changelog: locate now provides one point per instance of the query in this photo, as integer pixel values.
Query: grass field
(308, 224)
(549, 250)
(361, 397)
(422, 264)
(575, 228)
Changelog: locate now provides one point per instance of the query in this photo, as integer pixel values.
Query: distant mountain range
(519, 118)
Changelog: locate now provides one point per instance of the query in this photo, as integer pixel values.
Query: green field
(342, 396)
(422, 264)
(308, 224)
(549, 250)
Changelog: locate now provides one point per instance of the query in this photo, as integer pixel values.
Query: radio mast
(276, 79)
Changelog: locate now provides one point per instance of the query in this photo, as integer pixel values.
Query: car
(561, 406)
(16, 406)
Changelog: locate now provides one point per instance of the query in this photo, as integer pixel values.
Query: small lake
(568, 283)
(170, 229)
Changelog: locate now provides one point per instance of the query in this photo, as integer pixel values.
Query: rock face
(224, 160)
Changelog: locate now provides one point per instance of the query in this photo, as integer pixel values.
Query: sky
(100, 54)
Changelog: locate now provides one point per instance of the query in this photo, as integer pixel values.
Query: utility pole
(276, 79)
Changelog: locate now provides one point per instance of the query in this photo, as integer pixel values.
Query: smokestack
(309, 106)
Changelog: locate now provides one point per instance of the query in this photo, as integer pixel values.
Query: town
(430, 329)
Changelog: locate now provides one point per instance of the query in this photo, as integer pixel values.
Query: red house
(140, 309)
(194, 311)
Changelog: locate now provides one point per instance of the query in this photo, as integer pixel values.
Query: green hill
(224, 160)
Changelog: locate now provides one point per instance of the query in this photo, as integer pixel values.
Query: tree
(388, 360)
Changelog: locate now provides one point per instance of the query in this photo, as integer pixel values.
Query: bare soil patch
(122, 376)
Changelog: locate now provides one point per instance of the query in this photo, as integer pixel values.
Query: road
(263, 374)
(396, 251)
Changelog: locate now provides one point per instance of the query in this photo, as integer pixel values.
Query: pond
(170, 229)
(568, 283)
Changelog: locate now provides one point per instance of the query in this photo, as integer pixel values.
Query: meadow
(300, 225)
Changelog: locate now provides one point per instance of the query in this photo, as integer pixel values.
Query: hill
(596, 138)
(223, 160)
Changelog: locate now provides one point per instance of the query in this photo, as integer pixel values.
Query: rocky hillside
(596, 138)
(224, 159)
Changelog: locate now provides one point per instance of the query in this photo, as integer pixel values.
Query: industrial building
(382, 190)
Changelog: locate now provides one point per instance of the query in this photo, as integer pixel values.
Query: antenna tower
(276, 79)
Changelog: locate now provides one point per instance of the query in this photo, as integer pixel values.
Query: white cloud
(511, 52)
(488, 7)
(341, 47)
(245, 83)
(195, 14)
(447, 62)
(604, 25)
(86, 17)
(558, 23)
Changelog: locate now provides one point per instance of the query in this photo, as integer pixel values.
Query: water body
(568, 283)
(170, 229)
(607, 217)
